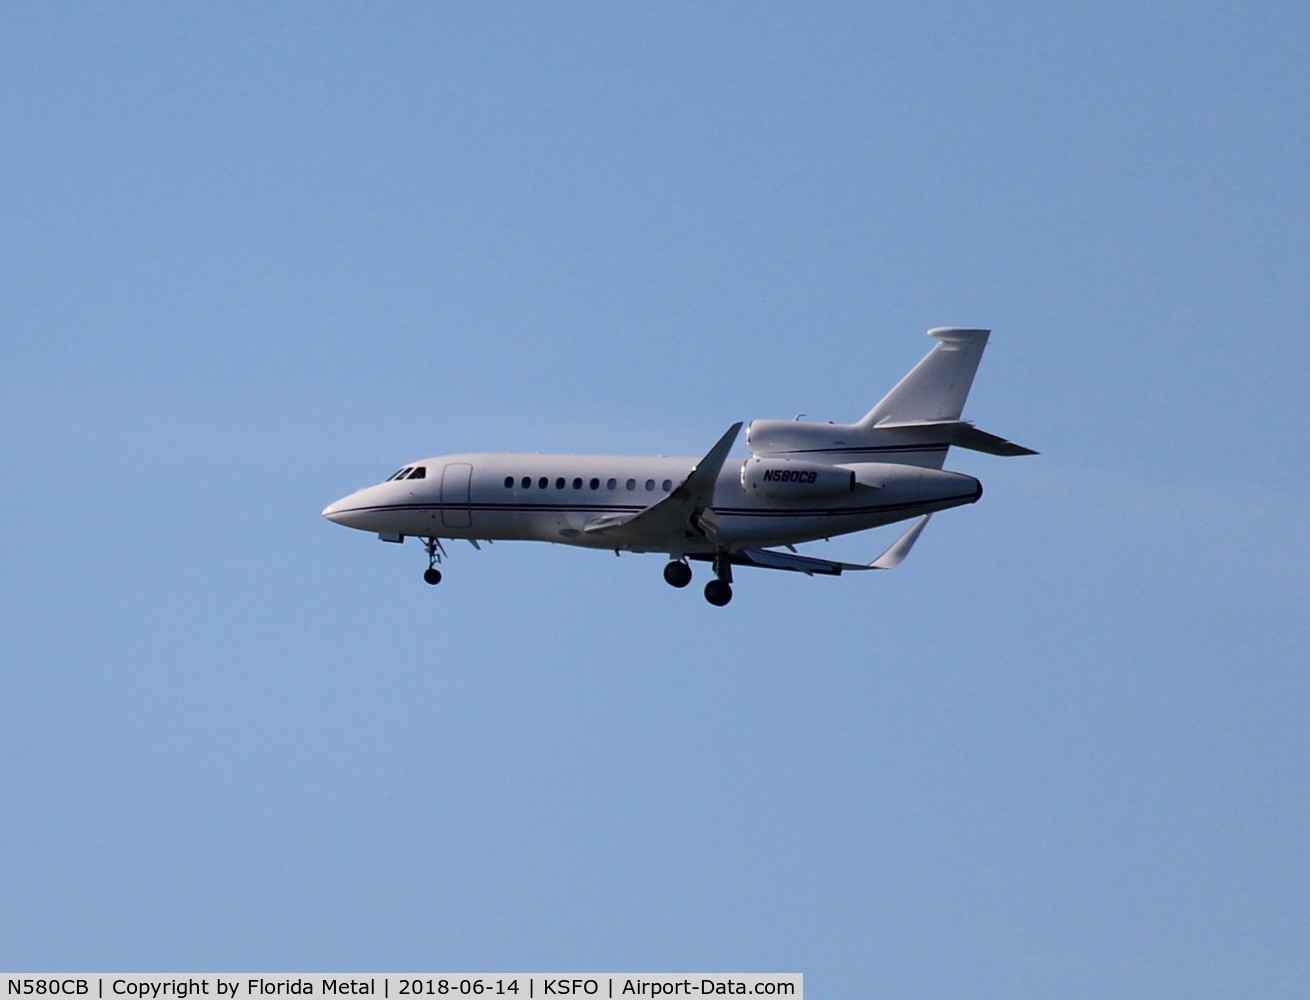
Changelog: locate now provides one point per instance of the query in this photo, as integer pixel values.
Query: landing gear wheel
(677, 574)
(432, 575)
(718, 592)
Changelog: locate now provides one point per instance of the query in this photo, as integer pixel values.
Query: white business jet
(802, 482)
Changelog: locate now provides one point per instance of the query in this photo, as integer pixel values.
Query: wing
(770, 559)
(684, 513)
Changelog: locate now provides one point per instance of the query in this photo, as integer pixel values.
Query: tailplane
(914, 424)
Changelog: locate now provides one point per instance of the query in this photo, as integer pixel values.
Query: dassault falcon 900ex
(802, 482)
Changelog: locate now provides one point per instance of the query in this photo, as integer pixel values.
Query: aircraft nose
(335, 511)
(356, 510)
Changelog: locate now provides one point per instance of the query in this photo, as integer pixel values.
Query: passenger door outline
(455, 482)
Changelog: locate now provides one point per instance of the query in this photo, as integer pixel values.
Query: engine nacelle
(775, 437)
(783, 479)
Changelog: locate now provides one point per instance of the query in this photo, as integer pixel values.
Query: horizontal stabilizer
(962, 434)
(968, 436)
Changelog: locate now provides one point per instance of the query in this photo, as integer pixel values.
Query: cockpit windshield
(408, 472)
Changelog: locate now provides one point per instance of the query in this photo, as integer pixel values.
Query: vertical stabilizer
(935, 388)
(914, 424)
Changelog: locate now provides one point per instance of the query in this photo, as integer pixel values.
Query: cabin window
(542, 483)
(668, 485)
(613, 484)
(577, 482)
(526, 482)
(509, 482)
(632, 484)
(595, 484)
(650, 486)
(559, 483)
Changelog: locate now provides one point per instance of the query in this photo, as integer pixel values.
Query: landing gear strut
(719, 590)
(677, 574)
(432, 575)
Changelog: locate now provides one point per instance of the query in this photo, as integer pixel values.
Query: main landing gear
(435, 551)
(718, 591)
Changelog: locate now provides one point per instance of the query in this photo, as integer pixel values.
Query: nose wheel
(432, 575)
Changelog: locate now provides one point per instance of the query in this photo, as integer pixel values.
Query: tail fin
(935, 388)
(914, 424)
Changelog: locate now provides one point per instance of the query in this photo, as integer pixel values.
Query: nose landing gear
(432, 575)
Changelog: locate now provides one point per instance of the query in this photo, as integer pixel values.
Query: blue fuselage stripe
(544, 508)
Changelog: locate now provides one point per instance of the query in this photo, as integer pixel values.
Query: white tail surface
(914, 424)
(935, 388)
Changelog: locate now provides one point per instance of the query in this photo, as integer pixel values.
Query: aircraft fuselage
(801, 482)
(552, 498)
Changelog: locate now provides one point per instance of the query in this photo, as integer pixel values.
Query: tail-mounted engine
(782, 479)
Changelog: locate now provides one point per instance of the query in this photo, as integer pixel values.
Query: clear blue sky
(255, 258)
